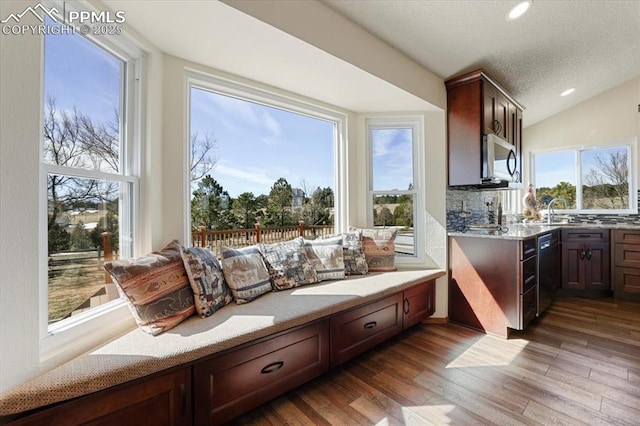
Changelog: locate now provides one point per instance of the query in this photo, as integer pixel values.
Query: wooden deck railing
(214, 239)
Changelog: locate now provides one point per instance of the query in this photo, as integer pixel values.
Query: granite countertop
(522, 231)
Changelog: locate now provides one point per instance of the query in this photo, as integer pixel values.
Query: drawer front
(529, 274)
(585, 235)
(229, 385)
(355, 331)
(627, 255)
(626, 236)
(626, 280)
(528, 248)
(528, 307)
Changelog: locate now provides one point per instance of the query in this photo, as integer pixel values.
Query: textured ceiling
(590, 45)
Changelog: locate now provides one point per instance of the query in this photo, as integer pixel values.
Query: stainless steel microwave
(499, 162)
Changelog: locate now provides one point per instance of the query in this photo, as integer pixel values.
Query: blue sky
(79, 73)
(392, 151)
(256, 144)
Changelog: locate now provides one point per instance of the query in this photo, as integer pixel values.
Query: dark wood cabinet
(228, 385)
(359, 329)
(493, 283)
(418, 304)
(626, 264)
(159, 400)
(586, 262)
(477, 106)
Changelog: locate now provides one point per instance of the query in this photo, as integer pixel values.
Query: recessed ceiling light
(519, 9)
(568, 92)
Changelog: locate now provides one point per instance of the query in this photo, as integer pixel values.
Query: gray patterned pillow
(245, 273)
(288, 264)
(355, 262)
(207, 280)
(327, 257)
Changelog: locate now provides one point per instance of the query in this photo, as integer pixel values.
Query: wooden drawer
(626, 280)
(528, 307)
(418, 303)
(528, 248)
(355, 331)
(529, 274)
(231, 384)
(627, 255)
(585, 235)
(626, 236)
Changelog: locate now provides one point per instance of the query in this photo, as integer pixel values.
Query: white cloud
(271, 124)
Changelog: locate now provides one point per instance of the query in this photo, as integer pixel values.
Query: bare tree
(608, 181)
(202, 160)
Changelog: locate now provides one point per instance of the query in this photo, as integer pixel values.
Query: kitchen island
(501, 281)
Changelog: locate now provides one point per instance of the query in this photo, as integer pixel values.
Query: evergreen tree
(207, 205)
(279, 205)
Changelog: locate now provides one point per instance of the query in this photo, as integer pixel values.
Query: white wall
(20, 104)
(609, 117)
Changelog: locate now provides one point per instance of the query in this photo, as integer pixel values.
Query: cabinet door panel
(502, 117)
(418, 303)
(161, 400)
(626, 280)
(597, 264)
(573, 270)
(489, 107)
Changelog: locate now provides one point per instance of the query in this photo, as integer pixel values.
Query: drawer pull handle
(406, 306)
(370, 325)
(589, 254)
(583, 253)
(272, 368)
(584, 236)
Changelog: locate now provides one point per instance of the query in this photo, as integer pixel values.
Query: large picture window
(395, 181)
(262, 168)
(88, 163)
(596, 179)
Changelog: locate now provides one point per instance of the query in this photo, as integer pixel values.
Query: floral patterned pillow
(327, 257)
(245, 273)
(288, 264)
(207, 280)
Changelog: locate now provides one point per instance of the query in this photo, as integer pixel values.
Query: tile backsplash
(478, 212)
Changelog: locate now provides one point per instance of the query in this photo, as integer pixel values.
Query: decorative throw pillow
(288, 264)
(245, 273)
(327, 257)
(355, 262)
(207, 280)
(379, 248)
(156, 286)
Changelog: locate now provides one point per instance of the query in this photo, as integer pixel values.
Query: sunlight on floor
(436, 414)
(489, 352)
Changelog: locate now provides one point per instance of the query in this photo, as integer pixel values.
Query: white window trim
(416, 123)
(251, 93)
(74, 335)
(577, 149)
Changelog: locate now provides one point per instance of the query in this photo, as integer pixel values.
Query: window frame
(578, 150)
(252, 93)
(74, 335)
(416, 123)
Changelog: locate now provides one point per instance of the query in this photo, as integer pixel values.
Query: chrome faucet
(550, 208)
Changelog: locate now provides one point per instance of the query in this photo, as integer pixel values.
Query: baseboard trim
(442, 320)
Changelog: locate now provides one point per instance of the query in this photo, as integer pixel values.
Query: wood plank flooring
(577, 364)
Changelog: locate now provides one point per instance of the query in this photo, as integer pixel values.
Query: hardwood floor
(577, 364)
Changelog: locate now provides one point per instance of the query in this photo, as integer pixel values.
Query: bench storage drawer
(359, 329)
(229, 385)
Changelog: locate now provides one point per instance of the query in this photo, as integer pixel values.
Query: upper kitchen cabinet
(476, 107)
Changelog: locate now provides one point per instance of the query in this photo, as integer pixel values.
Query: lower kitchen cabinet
(229, 385)
(586, 262)
(493, 284)
(626, 264)
(159, 400)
